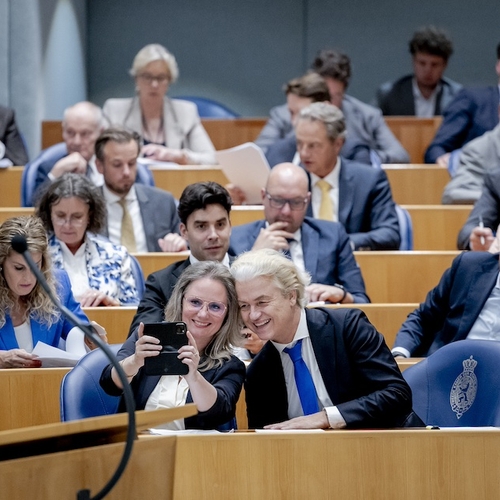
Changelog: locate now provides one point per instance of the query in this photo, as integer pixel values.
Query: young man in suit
(426, 92)
(320, 368)
(356, 195)
(143, 218)
(203, 210)
(321, 248)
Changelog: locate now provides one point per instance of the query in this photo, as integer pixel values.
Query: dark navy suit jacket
(359, 372)
(327, 252)
(472, 113)
(452, 307)
(366, 208)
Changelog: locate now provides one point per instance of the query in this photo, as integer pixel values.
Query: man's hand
(74, 162)
(172, 242)
(273, 237)
(315, 421)
(162, 153)
(253, 343)
(237, 194)
(481, 239)
(328, 293)
(443, 160)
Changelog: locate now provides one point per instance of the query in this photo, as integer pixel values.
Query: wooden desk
(233, 132)
(8, 212)
(176, 179)
(417, 184)
(436, 227)
(154, 261)
(51, 133)
(10, 186)
(116, 321)
(402, 277)
(30, 396)
(415, 134)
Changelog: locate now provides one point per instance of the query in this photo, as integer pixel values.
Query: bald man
(82, 124)
(322, 248)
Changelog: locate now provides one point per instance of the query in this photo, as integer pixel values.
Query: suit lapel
(147, 218)
(346, 193)
(310, 248)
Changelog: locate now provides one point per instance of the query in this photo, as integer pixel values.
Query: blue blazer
(327, 251)
(40, 331)
(366, 208)
(359, 372)
(472, 113)
(452, 307)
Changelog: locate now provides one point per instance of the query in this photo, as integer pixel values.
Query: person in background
(321, 368)
(27, 315)
(171, 129)
(365, 124)
(427, 91)
(81, 126)
(204, 298)
(74, 213)
(322, 248)
(472, 112)
(142, 218)
(12, 150)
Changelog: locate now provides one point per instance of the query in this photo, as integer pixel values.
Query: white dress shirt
(76, 267)
(424, 106)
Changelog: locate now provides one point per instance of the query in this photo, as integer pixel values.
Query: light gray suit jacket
(365, 124)
(183, 128)
(479, 157)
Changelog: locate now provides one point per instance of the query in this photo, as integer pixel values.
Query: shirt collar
(332, 178)
(301, 333)
(225, 260)
(114, 198)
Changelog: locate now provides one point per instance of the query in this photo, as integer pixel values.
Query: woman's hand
(100, 331)
(190, 356)
(162, 153)
(94, 298)
(19, 358)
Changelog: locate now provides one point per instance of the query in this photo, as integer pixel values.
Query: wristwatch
(343, 289)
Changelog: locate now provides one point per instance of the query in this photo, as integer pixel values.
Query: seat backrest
(405, 228)
(208, 108)
(81, 395)
(458, 385)
(52, 154)
(138, 276)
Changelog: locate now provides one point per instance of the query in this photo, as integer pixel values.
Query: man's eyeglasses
(73, 220)
(213, 307)
(149, 78)
(295, 203)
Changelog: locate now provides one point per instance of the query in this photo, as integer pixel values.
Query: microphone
(20, 245)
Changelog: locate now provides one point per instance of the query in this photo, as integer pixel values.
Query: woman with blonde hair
(171, 129)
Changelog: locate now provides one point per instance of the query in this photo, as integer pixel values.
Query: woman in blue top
(26, 313)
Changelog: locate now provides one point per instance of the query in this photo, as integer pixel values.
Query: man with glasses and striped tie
(321, 368)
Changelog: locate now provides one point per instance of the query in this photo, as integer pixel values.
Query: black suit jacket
(452, 307)
(10, 136)
(359, 372)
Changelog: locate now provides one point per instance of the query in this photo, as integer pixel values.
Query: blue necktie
(303, 380)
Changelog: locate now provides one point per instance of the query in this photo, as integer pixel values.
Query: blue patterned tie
(303, 380)
(286, 251)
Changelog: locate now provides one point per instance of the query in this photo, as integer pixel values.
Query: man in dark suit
(463, 305)
(356, 195)
(143, 218)
(11, 142)
(478, 231)
(203, 210)
(320, 247)
(472, 112)
(426, 92)
(321, 368)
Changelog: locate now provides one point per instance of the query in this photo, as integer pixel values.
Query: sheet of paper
(158, 165)
(52, 357)
(169, 432)
(246, 167)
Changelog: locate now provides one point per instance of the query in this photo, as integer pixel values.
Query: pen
(481, 225)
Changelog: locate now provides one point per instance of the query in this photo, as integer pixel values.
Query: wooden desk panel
(30, 396)
(417, 184)
(176, 179)
(10, 186)
(415, 134)
(402, 277)
(51, 133)
(116, 321)
(8, 212)
(232, 132)
(436, 227)
(154, 261)
(243, 214)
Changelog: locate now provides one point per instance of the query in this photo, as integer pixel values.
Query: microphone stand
(20, 245)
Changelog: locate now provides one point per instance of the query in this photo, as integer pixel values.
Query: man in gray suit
(142, 218)
(365, 123)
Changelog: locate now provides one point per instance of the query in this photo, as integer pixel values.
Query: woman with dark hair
(26, 313)
(205, 299)
(73, 212)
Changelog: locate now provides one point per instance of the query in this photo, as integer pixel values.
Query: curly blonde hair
(38, 304)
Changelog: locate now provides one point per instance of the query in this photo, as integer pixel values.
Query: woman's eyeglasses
(213, 307)
(149, 78)
(73, 220)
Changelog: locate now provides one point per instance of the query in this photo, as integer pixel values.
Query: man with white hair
(321, 368)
